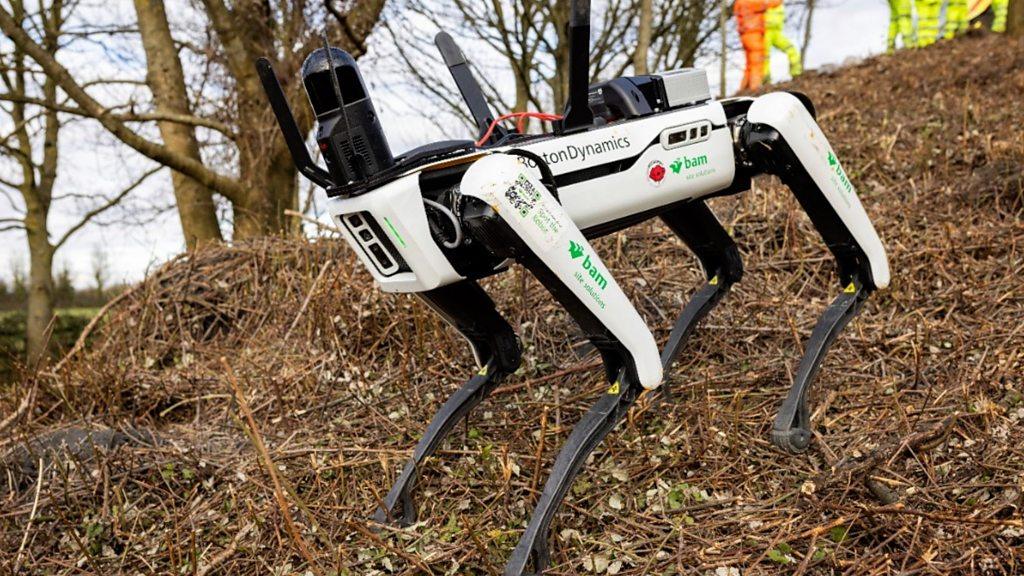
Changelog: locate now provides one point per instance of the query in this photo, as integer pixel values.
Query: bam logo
(687, 162)
(844, 181)
(576, 251)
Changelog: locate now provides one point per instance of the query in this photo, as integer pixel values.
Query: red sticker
(656, 172)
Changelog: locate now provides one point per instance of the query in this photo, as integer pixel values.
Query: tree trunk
(1015, 18)
(264, 164)
(40, 286)
(560, 79)
(166, 80)
(723, 20)
(807, 32)
(643, 39)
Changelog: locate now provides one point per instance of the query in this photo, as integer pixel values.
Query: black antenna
(357, 160)
(472, 95)
(578, 115)
(289, 129)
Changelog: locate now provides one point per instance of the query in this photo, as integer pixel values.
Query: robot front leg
(509, 210)
(792, 428)
(780, 137)
(471, 311)
(697, 226)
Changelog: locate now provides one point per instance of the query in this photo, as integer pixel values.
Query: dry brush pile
(253, 403)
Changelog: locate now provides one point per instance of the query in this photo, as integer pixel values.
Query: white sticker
(530, 205)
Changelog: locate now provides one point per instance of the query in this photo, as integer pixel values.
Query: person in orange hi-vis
(750, 20)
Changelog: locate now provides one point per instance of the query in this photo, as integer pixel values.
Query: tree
(31, 151)
(166, 80)
(528, 39)
(19, 283)
(228, 102)
(64, 287)
(643, 38)
(808, 19)
(100, 272)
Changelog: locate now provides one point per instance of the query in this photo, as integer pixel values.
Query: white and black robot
(437, 219)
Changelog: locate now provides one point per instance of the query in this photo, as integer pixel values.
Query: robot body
(603, 175)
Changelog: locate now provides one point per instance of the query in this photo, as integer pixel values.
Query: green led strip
(394, 232)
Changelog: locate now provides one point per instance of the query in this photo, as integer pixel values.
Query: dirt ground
(917, 465)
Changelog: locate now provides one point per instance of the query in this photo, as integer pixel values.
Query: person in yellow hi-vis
(956, 18)
(775, 37)
(999, 11)
(901, 23)
(927, 21)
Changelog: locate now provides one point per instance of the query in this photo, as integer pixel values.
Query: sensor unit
(685, 87)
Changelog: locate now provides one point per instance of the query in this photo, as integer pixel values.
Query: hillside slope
(917, 466)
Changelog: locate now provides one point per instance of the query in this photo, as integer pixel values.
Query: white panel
(686, 171)
(523, 202)
(785, 113)
(398, 209)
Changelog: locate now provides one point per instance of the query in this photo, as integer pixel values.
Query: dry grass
(919, 405)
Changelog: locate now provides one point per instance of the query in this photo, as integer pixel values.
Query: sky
(93, 164)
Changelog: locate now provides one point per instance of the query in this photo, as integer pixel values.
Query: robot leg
(781, 137)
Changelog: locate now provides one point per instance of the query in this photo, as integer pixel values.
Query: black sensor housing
(348, 132)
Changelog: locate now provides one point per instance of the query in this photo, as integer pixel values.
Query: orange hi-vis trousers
(750, 21)
(754, 46)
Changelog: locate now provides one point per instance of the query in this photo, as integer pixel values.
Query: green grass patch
(70, 323)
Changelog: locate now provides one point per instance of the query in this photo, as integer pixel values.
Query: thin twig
(22, 408)
(268, 463)
(31, 516)
(305, 303)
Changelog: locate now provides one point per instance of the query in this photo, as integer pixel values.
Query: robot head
(348, 132)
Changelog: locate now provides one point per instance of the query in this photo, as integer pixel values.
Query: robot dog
(437, 219)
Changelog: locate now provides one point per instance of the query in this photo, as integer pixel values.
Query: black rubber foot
(794, 440)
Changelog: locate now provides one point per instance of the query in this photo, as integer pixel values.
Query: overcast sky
(93, 163)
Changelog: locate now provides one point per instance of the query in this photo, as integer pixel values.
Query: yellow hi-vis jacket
(775, 37)
(901, 23)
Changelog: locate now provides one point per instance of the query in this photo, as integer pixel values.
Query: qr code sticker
(522, 195)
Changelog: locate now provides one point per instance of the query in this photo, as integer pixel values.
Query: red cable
(520, 123)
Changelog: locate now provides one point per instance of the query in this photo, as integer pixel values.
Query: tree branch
(186, 119)
(228, 187)
(104, 207)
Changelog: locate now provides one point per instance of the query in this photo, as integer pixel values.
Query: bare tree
(643, 39)
(166, 80)
(229, 103)
(100, 271)
(723, 55)
(32, 112)
(807, 23)
(527, 40)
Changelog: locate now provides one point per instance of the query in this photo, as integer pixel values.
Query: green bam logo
(688, 163)
(576, 252)
(844, 181)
